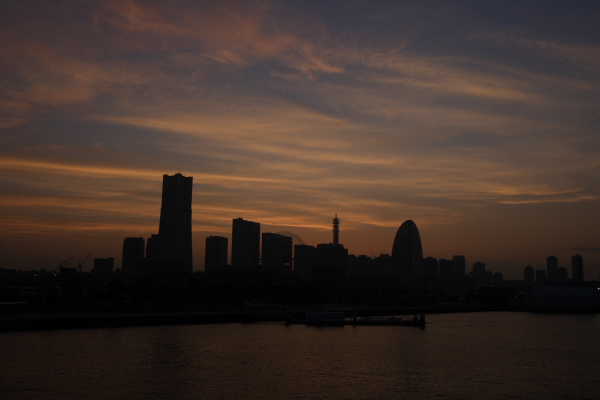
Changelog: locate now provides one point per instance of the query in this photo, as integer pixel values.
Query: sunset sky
(478, 120)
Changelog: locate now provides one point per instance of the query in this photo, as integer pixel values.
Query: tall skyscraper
(407, 254)
(304, 260)
(153, 247)
(330, 263)
(459, 265)
(245, 243)
(133, 254)
(174, 239)
(529, 275)
(552, 268)
(276, 249)
(577, 268)
(215, 253)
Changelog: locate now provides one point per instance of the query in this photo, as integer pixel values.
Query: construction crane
(64, 263)
(80, 266)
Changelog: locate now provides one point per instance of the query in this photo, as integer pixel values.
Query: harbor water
(491, 355)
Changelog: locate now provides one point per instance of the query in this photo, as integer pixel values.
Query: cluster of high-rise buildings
(170, 251)
(276, 252)
(279, 266)
(553, 273)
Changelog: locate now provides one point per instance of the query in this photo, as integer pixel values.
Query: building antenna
(336, 230)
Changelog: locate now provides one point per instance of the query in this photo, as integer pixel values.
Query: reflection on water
(461, 356)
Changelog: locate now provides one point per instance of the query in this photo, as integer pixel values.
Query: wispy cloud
(286, 115)
(585, 56)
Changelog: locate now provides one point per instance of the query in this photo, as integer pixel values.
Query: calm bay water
(496, 355)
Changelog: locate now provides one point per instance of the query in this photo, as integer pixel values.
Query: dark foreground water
(496, 355)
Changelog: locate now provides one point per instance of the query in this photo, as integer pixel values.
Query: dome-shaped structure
(407, 254)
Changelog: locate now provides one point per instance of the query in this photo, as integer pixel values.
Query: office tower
(331, 255)
(459, 265)
(528, 275)
(336, 230)
(174, 239)
(304, 260)
(330, 264)
(552, 268)
(479, 267)
(331, 259)
(540, 275)
(445, 266)
(245, 243)
(215, 253)
(276, 249)
(577, 268)
(430, 267)
(408, 254)
(153, 247)
(133, 254)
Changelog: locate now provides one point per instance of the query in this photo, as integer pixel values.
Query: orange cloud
(233, 32)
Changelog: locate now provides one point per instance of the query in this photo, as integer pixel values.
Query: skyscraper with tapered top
(174, 239)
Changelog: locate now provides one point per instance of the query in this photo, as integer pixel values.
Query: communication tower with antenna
(336, 230)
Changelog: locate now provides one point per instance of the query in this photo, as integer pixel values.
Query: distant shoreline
(57, 320)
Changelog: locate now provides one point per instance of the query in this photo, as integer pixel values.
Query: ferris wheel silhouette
(295, 240)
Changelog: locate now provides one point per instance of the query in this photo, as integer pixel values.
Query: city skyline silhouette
(477, 121)
(187, 188)
(324, 263)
